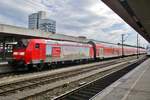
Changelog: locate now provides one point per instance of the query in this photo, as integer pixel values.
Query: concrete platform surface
(5, 68)
(3, 63)
(133, 86)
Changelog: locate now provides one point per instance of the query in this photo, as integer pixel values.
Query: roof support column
(4, 50)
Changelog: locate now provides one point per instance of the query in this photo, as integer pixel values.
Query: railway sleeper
(87, 92)
(80, 96)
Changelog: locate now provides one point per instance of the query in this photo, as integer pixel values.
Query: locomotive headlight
(15, 53)
(21, 53)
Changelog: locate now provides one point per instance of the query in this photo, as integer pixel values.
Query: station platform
(3, 63)
(5, 67)
(133, 86)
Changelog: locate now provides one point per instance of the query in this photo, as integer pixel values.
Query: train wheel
(30, 67)
(40, 67)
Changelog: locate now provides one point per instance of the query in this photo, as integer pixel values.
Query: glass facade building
(39, 21)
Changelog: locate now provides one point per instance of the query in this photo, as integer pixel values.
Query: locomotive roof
(65, 42)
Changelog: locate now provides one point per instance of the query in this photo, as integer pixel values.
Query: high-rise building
(39, 21)
(48, 25)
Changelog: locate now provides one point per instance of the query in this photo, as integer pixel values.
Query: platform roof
(135, 12)
(8, 31)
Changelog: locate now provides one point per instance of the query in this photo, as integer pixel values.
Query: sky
(90, 18)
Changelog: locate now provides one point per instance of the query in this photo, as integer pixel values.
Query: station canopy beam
(8, 31)
(135, 12)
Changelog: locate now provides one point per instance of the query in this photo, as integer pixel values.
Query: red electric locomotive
(37, 52)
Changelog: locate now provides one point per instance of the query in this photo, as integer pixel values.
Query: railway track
(87, 91)
(12, 87)
(5, 89)
(7, 70)
(18, 73)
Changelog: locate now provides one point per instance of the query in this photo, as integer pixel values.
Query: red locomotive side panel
(38, 52)
(28, 57)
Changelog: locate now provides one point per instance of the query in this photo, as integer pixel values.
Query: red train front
(29, 51)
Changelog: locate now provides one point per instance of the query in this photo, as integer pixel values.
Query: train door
(101, 52)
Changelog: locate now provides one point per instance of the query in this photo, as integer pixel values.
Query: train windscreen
(21, 44)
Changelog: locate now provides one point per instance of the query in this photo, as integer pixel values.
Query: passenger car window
(37, 45)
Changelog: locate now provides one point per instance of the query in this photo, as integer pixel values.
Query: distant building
(48, 25)
(39, 21)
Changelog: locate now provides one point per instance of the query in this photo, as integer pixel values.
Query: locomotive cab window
(23, 43)
(37, 45)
